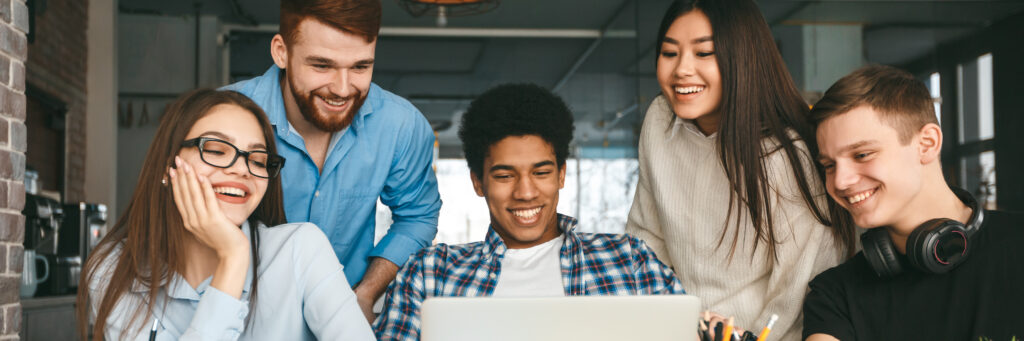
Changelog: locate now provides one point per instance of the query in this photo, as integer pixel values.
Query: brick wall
(57, 66)
(13, 53)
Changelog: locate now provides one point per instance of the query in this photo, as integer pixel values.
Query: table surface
(47, 301)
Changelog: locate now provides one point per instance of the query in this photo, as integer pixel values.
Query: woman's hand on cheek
(201, 213)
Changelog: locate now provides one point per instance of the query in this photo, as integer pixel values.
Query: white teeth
(860, 197)
(232, 191)
(334, 103)
(689, 89)
(526, 213)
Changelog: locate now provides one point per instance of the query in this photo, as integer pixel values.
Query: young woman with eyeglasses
(728, 192)
(198, 241)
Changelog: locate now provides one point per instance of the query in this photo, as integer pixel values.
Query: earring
(163, 182)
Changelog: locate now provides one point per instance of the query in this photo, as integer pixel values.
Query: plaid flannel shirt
(592, 264)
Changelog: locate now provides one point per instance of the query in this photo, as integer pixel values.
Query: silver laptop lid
(592, 318)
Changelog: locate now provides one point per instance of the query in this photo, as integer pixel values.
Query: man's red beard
(326, 122)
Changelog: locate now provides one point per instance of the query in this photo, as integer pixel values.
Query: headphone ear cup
(937, 246)
(881, 253)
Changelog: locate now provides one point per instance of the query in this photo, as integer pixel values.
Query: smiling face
(688, 71)
(328, 73)
(868, 171)
(520, 184)
(238, 191)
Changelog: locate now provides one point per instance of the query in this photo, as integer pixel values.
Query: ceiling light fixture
(447, 8)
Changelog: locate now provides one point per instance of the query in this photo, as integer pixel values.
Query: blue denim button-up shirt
(386, 153)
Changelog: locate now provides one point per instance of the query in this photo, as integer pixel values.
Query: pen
(768, 328)
(727, 334)
(152, 332)
(736, 335)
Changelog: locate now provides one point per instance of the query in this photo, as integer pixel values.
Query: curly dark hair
(514, 110)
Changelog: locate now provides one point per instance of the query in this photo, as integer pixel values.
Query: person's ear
(477, 185)
(279, 51)
(929, 142)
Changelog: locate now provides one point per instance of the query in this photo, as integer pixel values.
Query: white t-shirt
(532, 272)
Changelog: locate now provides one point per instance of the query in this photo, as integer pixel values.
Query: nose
(844, 176)
(685, 65)
(341, 85)
(240, 167)
(525, 190)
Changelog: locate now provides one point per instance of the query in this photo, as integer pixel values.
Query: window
(598, 192)
(977, 129)
(935, 87)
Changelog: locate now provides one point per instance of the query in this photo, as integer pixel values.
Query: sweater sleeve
(805, 246)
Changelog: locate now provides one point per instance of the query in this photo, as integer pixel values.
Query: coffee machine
(83, 226)
(42, 223)
(43, 217)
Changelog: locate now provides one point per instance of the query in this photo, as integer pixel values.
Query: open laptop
(591, 318)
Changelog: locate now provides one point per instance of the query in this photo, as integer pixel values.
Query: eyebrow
(319, 60)
(544, 163)
(332, 63)
(367, 61)
(496, 168)
(224, 137)
(849, 147)
(699, 40)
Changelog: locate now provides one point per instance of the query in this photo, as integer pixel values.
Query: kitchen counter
(48, 318)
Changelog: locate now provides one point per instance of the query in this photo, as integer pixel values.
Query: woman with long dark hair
(192, 249)
(729, 194)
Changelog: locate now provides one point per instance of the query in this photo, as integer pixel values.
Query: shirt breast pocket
(352, 209)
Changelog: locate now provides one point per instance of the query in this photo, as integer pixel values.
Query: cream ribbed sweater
(680, 210)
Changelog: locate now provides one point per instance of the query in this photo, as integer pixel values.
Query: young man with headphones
(935, 266)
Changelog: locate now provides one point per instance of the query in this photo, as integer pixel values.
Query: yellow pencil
(767, 329)
(727, 333)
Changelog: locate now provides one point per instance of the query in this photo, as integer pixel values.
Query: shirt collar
(271, 99)
(493, 245)
(177, 287)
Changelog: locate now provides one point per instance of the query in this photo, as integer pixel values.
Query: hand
(201, 214)
(713, 319)
(379, 274)
(366, 304)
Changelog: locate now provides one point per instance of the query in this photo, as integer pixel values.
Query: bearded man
(347, 142)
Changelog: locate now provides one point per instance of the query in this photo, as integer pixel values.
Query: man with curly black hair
(516, 139)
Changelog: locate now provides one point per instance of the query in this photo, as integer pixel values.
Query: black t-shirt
(982, 298)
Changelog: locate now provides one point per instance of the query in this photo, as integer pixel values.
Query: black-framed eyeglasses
(223, 154)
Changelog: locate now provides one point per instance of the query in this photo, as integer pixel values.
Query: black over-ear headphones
(936, 246)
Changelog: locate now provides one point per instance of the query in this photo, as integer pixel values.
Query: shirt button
(493, 275)
(317, 194)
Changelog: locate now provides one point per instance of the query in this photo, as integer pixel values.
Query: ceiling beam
(469, 32)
